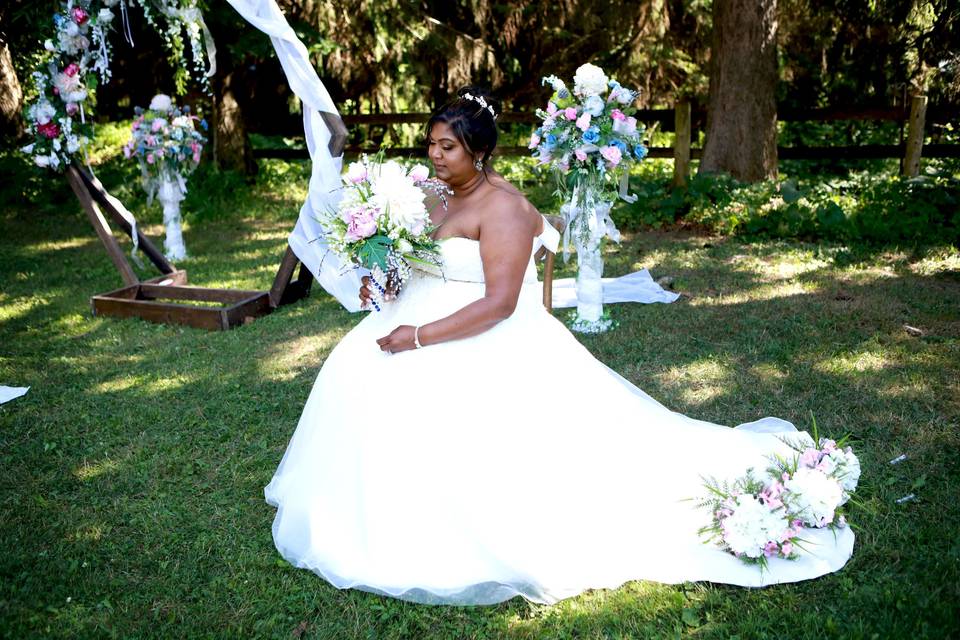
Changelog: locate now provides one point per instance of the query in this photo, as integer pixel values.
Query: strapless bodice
(462, 262)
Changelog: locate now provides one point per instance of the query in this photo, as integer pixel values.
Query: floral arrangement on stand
(756, 519)
(382, 223)
(79, 53)
(167, 144)
(589, 138)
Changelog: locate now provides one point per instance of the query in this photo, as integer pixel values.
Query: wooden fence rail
(684, 121)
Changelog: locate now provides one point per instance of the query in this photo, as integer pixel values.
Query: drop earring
(478, 165)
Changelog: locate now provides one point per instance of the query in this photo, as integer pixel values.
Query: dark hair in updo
(474, 125)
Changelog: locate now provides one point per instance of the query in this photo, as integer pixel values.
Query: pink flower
(151, 140)
(570, 113)
(49, 130)
(828, 446)
(79, 15)
(583, 122)
(551, 108)
(771, 549)
(72, 108)
(581, 154)
(362, 223)
(127, 151)
(786, 548)
(419, 173)
(73, 68)
(356, 173)
(809, 458)
(611, 154)
(616, 114)
(157, 125)
(159, 153)
(196, 156)
(149, 158)
(534, 141)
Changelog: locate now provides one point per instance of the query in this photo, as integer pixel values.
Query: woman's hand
(366, 292)
(400, 339)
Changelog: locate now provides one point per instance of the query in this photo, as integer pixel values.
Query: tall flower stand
(171, 191)
(587, 225)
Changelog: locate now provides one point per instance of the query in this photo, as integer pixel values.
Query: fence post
(681, 146)
(918, 114)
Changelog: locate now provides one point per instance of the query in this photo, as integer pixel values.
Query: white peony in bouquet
(819, 480)
(382, 223)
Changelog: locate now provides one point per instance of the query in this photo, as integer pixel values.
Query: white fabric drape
(9, 393)
(306, 240)
(638, 286)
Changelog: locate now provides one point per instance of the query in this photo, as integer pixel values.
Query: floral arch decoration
(78, 60)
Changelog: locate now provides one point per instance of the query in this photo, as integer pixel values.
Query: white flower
(70, 87)
(814, 496)
(403, 246)
(48, 45)
(73, 144)
(42, 112)
(110, 3)
(593, 105)
(751, 526)
(161, 102)
(28, 148)
(356, 173)
(395, 193)
(589, 80)
(42, 161)
(105, 16)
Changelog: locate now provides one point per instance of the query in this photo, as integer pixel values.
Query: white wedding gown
(509, 463)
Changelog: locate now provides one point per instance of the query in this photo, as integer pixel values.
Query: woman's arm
(506, 238)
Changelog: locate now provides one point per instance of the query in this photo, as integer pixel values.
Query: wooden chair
(548, 257)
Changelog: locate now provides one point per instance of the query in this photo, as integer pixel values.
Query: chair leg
(548, 282)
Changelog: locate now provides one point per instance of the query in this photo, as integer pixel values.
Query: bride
(462, 447)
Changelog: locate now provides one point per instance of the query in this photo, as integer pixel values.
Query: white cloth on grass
(9, 393)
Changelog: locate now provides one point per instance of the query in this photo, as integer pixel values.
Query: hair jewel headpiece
(480, 100)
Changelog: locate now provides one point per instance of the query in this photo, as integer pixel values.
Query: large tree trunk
(231, 145)
(11, 97)
(741, 136)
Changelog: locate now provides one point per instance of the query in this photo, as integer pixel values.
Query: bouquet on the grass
(760, 518)
(382, 223)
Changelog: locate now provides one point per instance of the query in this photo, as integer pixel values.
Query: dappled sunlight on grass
(286, 360)
(698, 382)
(12, 309)
(49, 246)
(121, 384)
(758, 294)
(847, 363)
(91, 470)
(91, 533)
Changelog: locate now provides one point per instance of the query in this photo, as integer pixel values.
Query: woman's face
(451, 160)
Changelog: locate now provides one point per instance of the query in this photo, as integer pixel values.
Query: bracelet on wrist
(416, 337)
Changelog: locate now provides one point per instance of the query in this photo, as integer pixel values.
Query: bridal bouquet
(756, 519)
(588, 135)
(382, 222)
(751, 519)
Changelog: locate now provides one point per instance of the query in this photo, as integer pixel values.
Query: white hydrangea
(394, 191)
(751, 526)
(814, 496)
(161, 102)
(42, 112)
(845, 468)
(589, 80)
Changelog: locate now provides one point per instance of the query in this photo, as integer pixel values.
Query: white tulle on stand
(171, 190)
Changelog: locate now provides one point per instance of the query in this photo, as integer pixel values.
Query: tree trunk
(231, 145)
(11, 97)
(741, 137)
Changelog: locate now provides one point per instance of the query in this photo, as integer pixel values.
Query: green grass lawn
(131, 493)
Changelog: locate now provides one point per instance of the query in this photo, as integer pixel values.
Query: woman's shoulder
(511, 207)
